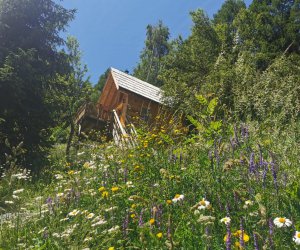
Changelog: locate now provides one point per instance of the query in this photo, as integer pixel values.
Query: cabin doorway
(121, 108)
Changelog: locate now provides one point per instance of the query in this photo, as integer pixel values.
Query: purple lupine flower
(141, 218)
(125, 225)
(49, 202)
(252, 167)
(244, 132)
(207, 231)
(260, 156)
(255, 241)
(227, 210)
(264, 175)
(220, 203)
(216, 153)
(125, 174)
(228, 237)
(159, 215)
(232, 143)
(274, 174)
(242, 242)
(242, 160)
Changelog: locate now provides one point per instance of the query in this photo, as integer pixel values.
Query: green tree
(151, 59)
(74, 90)
(29, 64)
(189, 63)
(223, 22)
(268, 28)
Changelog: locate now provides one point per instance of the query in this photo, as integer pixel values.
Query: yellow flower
(86, 165)
(111, 248)
(105, 194)
(237, 234)
(151, 221)
(133, 206)
(114, 189)
(159, 235)
(101, 189)
(169, 202)
(71, 172)
(237, 244)
(245, 236)
(132, 216)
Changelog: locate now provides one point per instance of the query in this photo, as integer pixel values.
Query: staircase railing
(123, 137)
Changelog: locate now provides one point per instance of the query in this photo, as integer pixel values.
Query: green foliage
(29, 65)
(151, 59)
(189, 63)
(247, 57)
(268, 28)
(206, 122)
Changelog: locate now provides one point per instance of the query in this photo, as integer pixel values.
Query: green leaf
(212, 106)
(202, 100)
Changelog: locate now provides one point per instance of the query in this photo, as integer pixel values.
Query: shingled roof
(136, 85)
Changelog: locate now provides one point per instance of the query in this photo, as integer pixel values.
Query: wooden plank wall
(136, 103)
(110, 99)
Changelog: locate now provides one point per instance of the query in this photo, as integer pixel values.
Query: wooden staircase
(90, 116)
(124, 137)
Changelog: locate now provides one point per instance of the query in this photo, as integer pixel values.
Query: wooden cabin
(123, 97)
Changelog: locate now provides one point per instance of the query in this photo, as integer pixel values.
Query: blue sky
(111, 33)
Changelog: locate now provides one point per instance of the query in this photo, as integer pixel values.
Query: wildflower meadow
(226, 189)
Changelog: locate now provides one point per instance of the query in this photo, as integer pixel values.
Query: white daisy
(90, 215)
(56, 235)
(282, 222)
(110, 209)
(39, 198)
(203, 204)
(64, 219)
(18, 191)
(98, 223)
(225, 220)
(113, 229)
(178, 197)
(74, 212)
(249, 202)
(129, 184)
(87, 239)
(297, 238)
